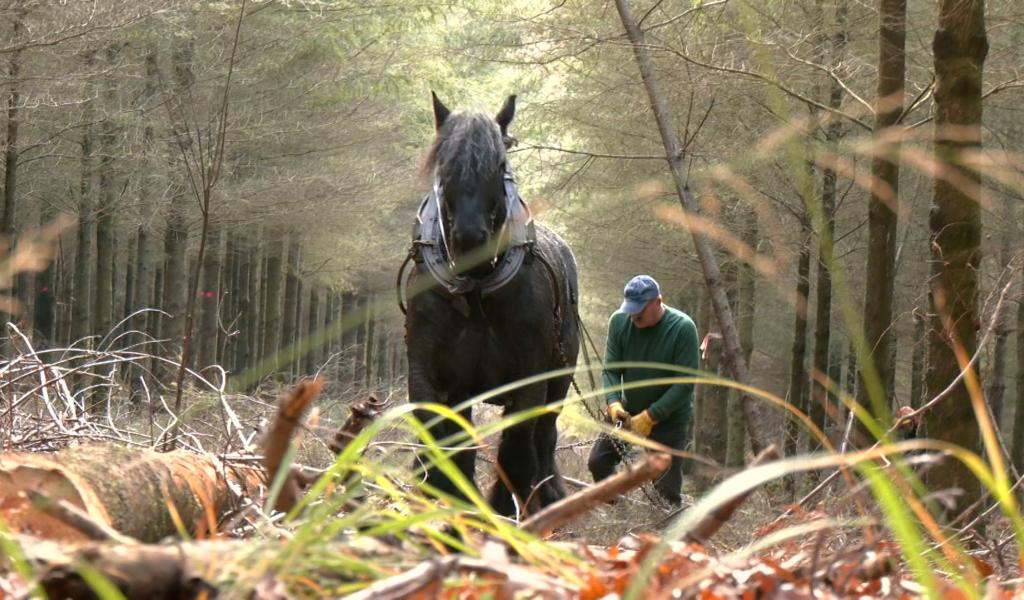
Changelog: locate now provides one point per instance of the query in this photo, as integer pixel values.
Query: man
(644, 329)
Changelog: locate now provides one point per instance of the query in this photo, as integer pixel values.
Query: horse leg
(553, 487)
(464, 458)
(517, 465)
(423, 389)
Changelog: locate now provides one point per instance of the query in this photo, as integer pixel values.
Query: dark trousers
(608, 452)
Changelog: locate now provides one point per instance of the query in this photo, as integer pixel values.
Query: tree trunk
(146, 249)
(745, 313)
(1002, 327)
(8, 213)
(711, 423)
(105, 234)
(272, 304)
(798, 355)
(917, 360)
(209, 300)
(369, 324)
(291, 307)
(959, 47)
(251, 306)
(127, 489)
(852, 376)
(821, 408)
(674, 154)
(175, 281)
(142, 298)
(358, 346)
(231, 286)
(44, 310)
(126, 296)
(1018, 410)
(81, 313)
(876, 370)
(316, 331)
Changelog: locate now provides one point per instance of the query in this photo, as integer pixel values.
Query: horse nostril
(470, 239)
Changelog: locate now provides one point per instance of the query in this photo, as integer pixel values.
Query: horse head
(467, 161)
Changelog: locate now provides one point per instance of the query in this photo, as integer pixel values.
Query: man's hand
(618, 414)
(642, 424)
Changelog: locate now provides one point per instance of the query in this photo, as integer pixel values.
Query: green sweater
(672, 341)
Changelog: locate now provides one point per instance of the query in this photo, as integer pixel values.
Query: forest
(207, 207)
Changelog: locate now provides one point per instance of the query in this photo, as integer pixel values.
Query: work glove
(618, 414)
(642, 423)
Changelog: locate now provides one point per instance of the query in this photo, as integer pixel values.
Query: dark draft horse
(499, 305)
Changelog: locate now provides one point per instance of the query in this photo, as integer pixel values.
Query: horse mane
(467, 148)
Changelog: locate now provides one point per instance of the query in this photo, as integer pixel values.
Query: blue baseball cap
(639, 291)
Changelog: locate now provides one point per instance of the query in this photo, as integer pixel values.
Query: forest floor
(818, 551)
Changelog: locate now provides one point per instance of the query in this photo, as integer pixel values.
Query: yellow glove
(642, 424)
(618, 414)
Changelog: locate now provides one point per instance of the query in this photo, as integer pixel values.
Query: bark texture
(960, 46)
(876, 368)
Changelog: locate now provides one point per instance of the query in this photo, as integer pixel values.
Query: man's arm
(612, 354)
(679, 396)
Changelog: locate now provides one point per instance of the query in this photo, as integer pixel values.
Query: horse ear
(506, 113)
(441, 111)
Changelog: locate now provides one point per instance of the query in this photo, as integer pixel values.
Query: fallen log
(553, 516)
(143, 494)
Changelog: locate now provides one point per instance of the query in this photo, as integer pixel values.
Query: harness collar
(430, 243)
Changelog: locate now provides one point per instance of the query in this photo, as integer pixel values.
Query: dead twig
(279, 436)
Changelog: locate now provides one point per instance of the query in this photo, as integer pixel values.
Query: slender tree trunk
(126, 297)
(361, 313)
(798, 356)
(852, 376)
(876, 370)
(674, 153)
(1018, 412)
(146, 248)
(105, 240)
(330, 321)
(142, 298)
(821, 408)
(175, 281)
(44, 311)
(81, 313)
(251, 307)
(369, 324)
(1002, 328)
(231, 291)
(301, 331)
(272, 304)
(917, 360)
(315, 328)
(703, 320)
(959, 47)
(745, 312)
(711, 419)
(12, 145)
(8, 212)
(65, 289)
(209, 299)
(291, 306)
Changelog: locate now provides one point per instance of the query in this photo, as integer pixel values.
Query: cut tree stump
(137, 492)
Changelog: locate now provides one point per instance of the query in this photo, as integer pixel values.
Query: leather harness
(516, 242)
